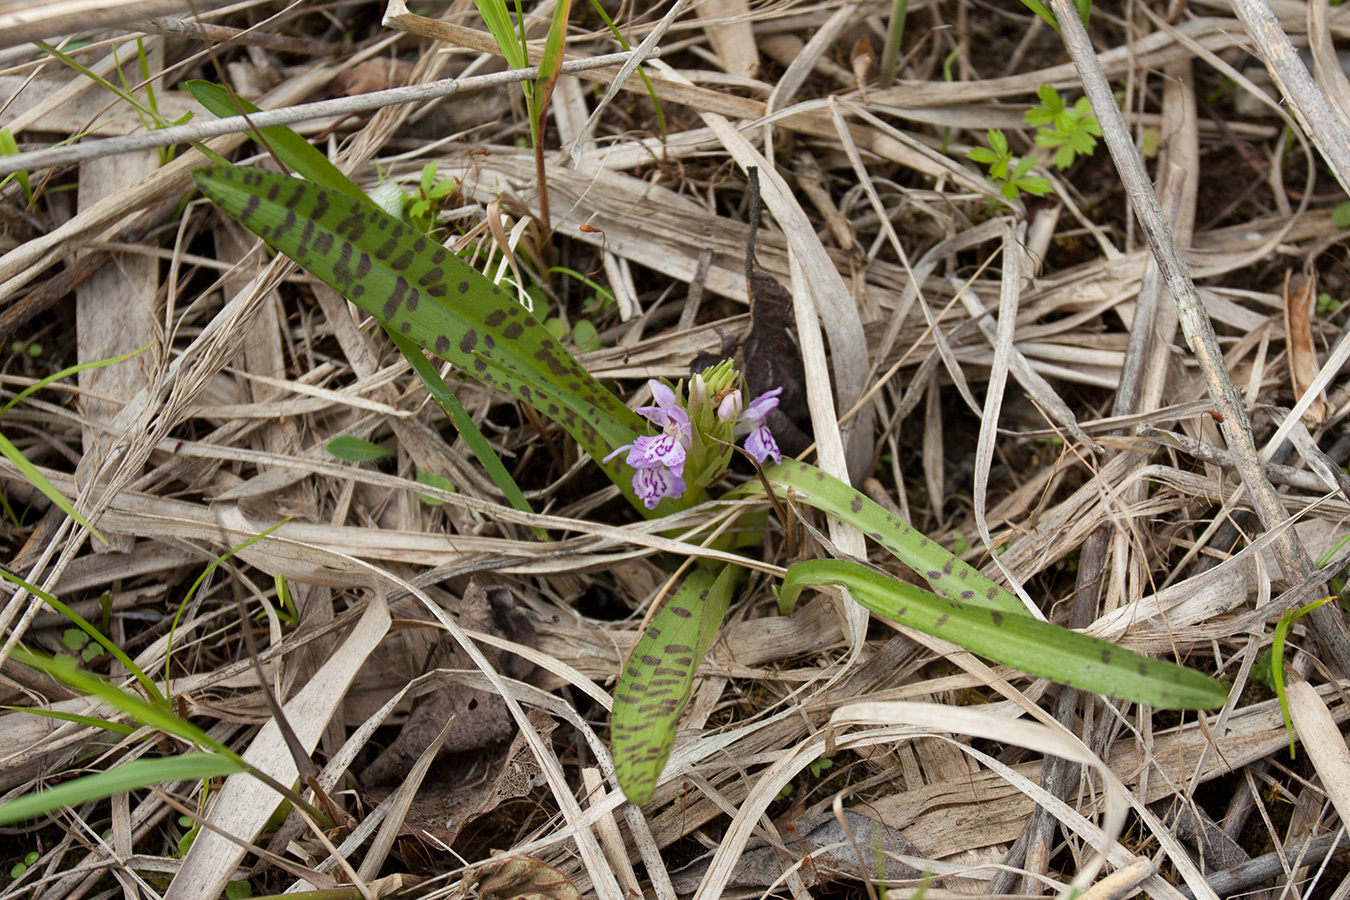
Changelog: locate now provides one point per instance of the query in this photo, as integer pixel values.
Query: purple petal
(672, 420)
(730, 408)
(761, 406)
(617, 451)
(762, 446)
(663, 395)
(663, 450)
(654, 485)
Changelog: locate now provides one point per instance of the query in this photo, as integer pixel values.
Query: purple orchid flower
(658, 460)
(751, 421)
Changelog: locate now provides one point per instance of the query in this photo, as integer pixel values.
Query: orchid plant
(668, 455)
(697, 433)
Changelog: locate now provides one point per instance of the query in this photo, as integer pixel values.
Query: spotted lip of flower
(658, 460)
(655, 484)
(751, 421)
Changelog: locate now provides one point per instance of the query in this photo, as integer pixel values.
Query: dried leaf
(770, 356)
(522, 878)
(1299, 293)
(482, 718)
(830, 847)
(864, 63)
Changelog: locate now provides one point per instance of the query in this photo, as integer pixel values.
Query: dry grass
(883, 230)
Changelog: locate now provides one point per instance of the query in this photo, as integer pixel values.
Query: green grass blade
(890, 51)
(431, 297)
(67, 372)
(89, 721)
(145, 113)
(129, 776)
(159, 717)
(291, 148)
(550, 64)
(654, 686)
(192, 591)
(35, 478)
(497, 18)
(99, 637)
(1043, 11)
(1035, 647)
(463, 422)
(944, 571)
(642, 72)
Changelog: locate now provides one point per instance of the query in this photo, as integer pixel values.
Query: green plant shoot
(1009, 176)
(428, 297)
(1071, 130)
(1277, 660)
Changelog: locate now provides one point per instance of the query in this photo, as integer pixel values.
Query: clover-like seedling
(1071, 130)
(1011, 176)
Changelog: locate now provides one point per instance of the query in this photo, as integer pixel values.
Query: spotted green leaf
(1037, 648)
(654, 686)
(415, 287)
(946, 573)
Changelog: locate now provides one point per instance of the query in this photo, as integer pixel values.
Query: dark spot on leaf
(442, 343)
(996, 617)
(468, 341)
(513, 331)
(856, 504)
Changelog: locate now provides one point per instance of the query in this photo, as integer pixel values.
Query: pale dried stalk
(342, 106)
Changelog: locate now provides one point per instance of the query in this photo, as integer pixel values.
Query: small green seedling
(10, 147)
(422, 207)
(433, 479)
(20, 867)
(185, 842)
(1340, 216)
(1071, 130)
(1327, 304)
(76, 641)
(350, 448)
(1011, 177)
(819, 766)
(1277, 661)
